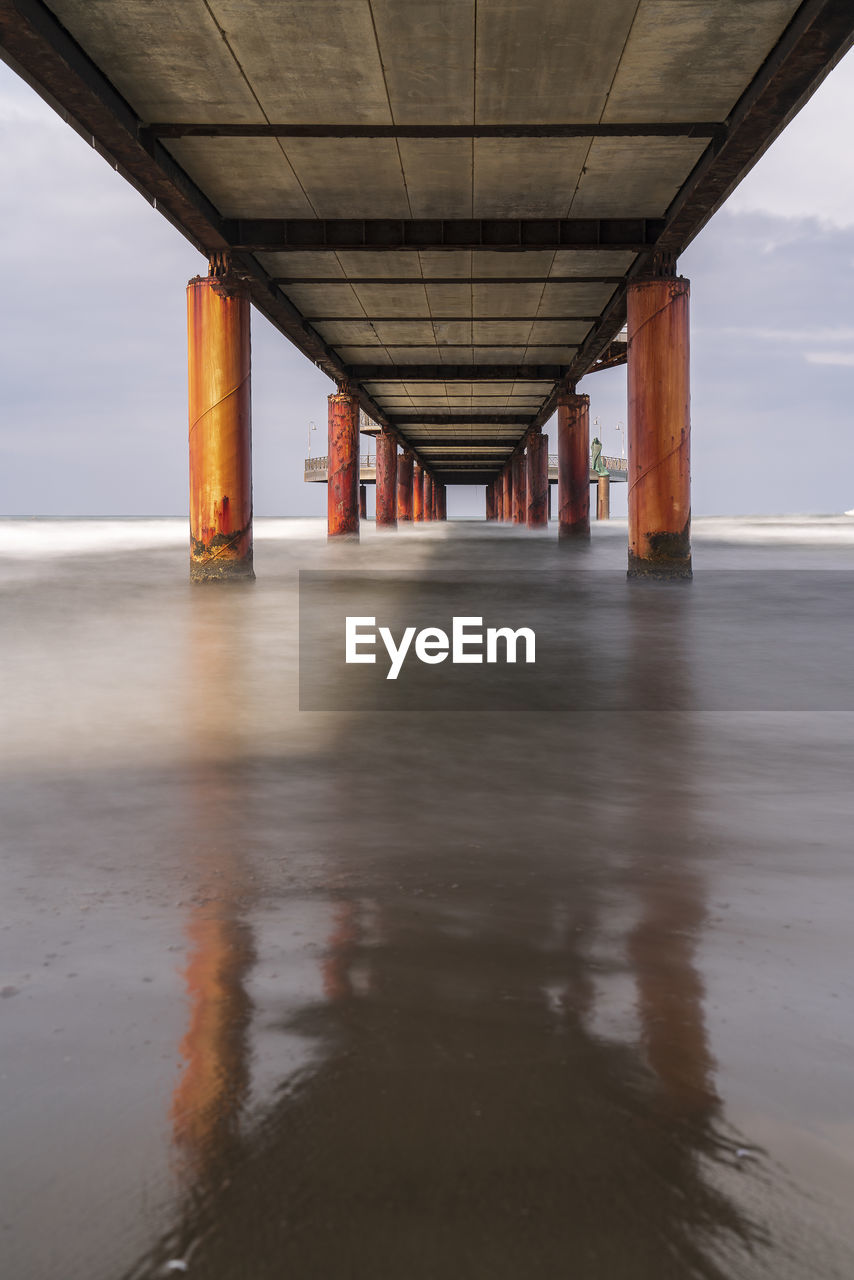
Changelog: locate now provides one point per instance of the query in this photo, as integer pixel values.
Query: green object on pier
(596, 457)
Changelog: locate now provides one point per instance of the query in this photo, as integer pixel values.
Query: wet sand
(426, 993)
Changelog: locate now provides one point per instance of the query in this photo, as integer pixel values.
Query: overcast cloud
(93, 355)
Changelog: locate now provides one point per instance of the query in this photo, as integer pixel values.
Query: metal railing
(613, 464)
(368, 460)
(322, 463)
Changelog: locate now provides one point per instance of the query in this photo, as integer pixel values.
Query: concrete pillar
(603, 498)
(343, 474)
(573, 465)
(220, 430)
(363, 502)
(404, 487)
(538, 480)
(417, 492)
(490, 502)
(659, 429)
(386, 480)
(520, 489)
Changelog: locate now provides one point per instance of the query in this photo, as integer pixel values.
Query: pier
(486, 209)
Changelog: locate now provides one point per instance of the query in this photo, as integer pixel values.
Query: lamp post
(312, 426)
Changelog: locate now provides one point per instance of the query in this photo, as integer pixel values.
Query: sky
(93, 393)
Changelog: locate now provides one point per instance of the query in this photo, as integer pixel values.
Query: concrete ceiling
(415, 67)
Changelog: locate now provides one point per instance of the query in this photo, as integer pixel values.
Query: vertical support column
(550, 499)
(490, 502)
(507, 492)
(417, 492)
(659, 434)
(538, 480)
(603, 498)
(573, 465)
(363, 502)
(220, 429)
(520, 489)
(386, 480)
(428, 496)
(442, 502)
(343, 474)
(404, 487)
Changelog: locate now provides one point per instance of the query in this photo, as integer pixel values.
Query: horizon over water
(479, 972)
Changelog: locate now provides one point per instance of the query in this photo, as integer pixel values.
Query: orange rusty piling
(538, 480)
(659, 434)
(442, 503)
(404, 487)
(603, 498)
(550, 499)
(417, 492)
(490, 502)
(386, 481)
(573, 465)
(428, 496)
(520, 489)
(220, 429)
(508, 492)
(363, 502)
(498, 490)
(343, 473)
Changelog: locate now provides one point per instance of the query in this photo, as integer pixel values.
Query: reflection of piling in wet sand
(214, 1083)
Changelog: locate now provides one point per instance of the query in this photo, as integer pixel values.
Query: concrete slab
(692, 59)
(350, 177)
(633, 178)
(428, 62)
(163, 57)
(541, 62)
(438, 176)
(314, 63)
(526, 177)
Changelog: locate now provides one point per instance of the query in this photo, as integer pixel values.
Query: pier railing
(368, 460)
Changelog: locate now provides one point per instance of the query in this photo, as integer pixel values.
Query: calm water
(436, 992)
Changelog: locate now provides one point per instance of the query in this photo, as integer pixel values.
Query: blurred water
(385, 993)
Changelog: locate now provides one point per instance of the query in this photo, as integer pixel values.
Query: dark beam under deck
(679, 129)
(274, 235)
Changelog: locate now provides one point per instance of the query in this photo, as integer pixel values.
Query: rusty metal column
(490, 502)
(498, 487)
(603, 498)
(363, 502)
(507, 492)
(417, 492)
(343, 464)
(441, 502)
(550, 500)
(520, 489)
(573, 465)
(220, 429)
(538, 480)
(404, 487)
(386, 480)
(428, 496)
(659, 429)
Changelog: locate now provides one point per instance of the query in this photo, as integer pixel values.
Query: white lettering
(463, 637)
(396, 652)
(510, 638)
(431, 645)
(354, 639)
